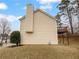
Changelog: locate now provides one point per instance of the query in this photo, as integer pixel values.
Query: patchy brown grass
(40, 52)
(44, 51)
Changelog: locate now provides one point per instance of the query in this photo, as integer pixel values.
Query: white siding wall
(45, 30)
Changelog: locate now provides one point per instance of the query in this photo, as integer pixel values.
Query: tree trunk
(78, 12)
(17, 44)
(70, 18)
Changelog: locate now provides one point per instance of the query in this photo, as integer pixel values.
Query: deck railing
(63, 31)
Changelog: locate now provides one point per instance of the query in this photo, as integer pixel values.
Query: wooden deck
(73, 39)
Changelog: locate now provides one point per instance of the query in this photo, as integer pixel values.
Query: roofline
(23, 17)
(44, 13)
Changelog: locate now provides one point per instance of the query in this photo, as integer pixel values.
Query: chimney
(29, 19)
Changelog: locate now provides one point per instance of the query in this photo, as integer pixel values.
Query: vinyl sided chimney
(29, 19)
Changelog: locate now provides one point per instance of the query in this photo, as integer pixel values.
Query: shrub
(15, 38)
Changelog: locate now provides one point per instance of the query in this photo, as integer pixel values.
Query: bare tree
(64, 7)
(4, 29)
(58, 17)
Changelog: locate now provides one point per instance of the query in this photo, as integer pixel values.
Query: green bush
(15, 37)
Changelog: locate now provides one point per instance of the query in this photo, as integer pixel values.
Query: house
(38, 27)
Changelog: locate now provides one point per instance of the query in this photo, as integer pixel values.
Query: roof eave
(23, 17)
(45, 13)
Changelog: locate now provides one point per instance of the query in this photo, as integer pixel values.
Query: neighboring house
(37, 27)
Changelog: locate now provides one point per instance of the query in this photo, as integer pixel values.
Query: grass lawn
(43, 51)
(40, 52)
